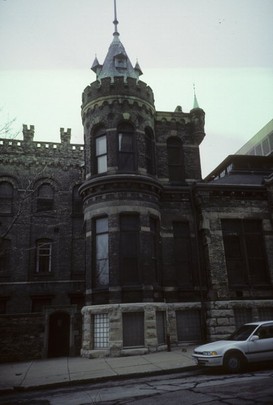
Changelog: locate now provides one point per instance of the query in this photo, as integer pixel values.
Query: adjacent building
(118, 246)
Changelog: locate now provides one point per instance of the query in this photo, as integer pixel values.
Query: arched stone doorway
(59, 334)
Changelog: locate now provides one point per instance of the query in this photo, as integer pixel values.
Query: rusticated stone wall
(115, 347)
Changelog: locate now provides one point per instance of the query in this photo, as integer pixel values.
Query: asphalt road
(208, 387)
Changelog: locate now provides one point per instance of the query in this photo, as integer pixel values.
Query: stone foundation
(151, 343)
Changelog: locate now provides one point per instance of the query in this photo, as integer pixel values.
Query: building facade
(118, 246)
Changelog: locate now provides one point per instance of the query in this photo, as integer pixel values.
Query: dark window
(265, 332)
(40, 303)
(129, 248)
(45, 198)
(245, 252)
(77, 208)
(3, 305)
(160, 327)
(101, 154)
(43, 256)
(183, 254)
(149, 151)
(175, 160)
(126, 148)
(6, 197)
(133, 329)
(188, 325)
(101, 276)
(5, 254)
(154, 229)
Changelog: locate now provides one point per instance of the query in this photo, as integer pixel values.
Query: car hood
(214, 346)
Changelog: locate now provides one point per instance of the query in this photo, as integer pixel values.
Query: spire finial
(115, 22)
(195, 102)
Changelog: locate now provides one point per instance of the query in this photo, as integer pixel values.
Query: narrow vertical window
(77, 208)
(6, 197)
(129, 249)
(154, 229)
(43, 254)
(126, 148)
(101, 276)
(149, 152)
(101, 154)
(182, 254)
(175, 160)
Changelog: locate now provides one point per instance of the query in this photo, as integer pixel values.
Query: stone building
(42, 266)
(124, 231)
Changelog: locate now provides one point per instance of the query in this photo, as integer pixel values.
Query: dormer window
(120, 61)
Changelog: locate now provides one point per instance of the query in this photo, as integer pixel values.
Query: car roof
(259, 323)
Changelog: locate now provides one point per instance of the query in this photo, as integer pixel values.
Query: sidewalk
(63, 371)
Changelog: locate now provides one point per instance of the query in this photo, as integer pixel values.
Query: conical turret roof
(117, 62)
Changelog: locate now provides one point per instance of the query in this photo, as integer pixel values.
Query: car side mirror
(254, 338)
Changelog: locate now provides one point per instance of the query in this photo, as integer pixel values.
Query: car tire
(234, 362)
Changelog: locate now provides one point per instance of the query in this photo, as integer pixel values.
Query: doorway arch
(59, 334)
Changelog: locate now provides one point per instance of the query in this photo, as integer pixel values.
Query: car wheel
(234, 362)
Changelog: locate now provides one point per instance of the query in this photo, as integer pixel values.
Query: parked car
(252, 342)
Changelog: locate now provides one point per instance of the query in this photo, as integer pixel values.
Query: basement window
(101, 331)
(133, 329)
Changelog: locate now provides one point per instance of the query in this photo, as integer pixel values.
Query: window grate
(101, 331)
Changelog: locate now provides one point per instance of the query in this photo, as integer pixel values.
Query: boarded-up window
(188, 325)
(133, 329)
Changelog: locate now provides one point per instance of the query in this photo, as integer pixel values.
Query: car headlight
(213, 353)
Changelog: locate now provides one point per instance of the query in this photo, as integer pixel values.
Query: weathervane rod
(115, 17)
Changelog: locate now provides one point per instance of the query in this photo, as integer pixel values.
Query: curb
(95, 380)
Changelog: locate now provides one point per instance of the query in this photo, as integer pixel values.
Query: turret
(28, 133)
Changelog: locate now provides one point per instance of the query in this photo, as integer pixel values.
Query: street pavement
(65, 371)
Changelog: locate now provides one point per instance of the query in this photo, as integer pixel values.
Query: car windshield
(243, 332)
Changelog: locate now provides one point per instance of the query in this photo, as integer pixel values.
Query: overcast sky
(223, 46)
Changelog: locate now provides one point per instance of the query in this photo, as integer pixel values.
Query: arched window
(175, 160)
(45, 198)
(126, 148)
(149, 151)
(100, 155)
(6, 197)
